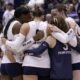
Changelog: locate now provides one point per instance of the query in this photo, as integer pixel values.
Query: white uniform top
(68, 19)
(75, 56)
(12, 37)
(43, 61)
(74, 53)
(34, 25)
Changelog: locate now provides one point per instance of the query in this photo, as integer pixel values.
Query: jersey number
(66, 47)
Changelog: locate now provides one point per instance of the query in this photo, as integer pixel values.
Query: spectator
(8, 13)
(76, 3)
(78, 11)
(17, 3)
(1, 14)
(8, 1)
(72, 12)
(48, 5)
(62, 1)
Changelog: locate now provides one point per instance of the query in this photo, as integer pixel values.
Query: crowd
(40, 40)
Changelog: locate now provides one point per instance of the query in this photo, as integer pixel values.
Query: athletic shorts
(76, 66)
(36, 71)
(11, 69)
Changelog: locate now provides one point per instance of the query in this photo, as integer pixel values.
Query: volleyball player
(27, 31)
(60, 54)
(75, 55)
(12, 63)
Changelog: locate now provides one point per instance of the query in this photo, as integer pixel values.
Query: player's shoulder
(69, 19)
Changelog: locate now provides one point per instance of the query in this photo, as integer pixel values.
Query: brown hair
(60, 23)
(38, 11)
(61, 7)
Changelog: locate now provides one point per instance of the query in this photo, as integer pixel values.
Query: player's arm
(16, 28)
(63, 37)
(77, 29)
(8, 53)
(10, 56)
(15, 31)
(39, 35)
(58, 34)
(72, 38)
(50, 42)
(20, 39)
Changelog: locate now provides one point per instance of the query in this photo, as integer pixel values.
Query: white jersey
(34, 25)
(12, 37)
(43, 61)
(75, 56)
(74, 53)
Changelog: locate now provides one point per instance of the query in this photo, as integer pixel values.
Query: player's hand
(51, 29)
(3, 40)
(39, 35)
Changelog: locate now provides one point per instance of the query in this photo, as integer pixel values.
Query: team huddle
(37, 49)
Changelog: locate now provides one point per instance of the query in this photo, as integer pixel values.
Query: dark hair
(21, 11)
(61, 7)
(60, 23)
(10, 4)
(38, 12)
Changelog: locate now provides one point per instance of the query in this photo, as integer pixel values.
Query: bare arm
(10, 56)
(9, 53)
(20, 39)
(16, 28)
